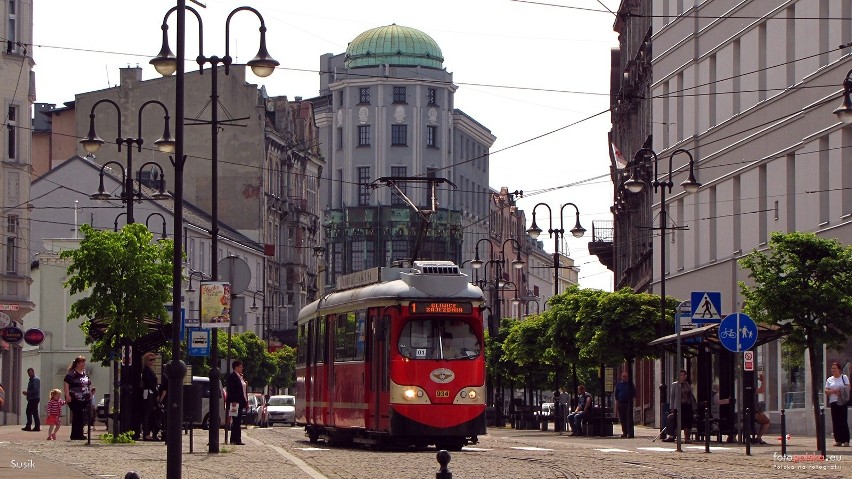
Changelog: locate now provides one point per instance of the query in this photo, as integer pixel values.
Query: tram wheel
(313, 436)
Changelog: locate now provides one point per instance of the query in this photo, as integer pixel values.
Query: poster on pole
(215, 305)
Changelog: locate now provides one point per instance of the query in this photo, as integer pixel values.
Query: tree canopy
(803, 285)
(128, 278)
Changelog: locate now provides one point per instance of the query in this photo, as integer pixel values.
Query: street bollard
(821, 439)
(783, 434)
(747, 431)
(443, 458)
(706, 429)
(131, 475)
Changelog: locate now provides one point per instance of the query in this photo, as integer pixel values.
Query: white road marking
(657, 449)
(311, 472)
(612, 450)
(531, 448)
(475, 449)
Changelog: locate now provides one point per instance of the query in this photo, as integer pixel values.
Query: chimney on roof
(130, 76)
(297, 98)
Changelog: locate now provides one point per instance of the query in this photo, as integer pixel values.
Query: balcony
(602, 244)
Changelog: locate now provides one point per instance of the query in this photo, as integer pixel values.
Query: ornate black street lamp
(129, 194)
(577, 231)
(166, 63)
(635, 185)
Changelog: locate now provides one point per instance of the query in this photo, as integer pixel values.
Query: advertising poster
(215, 305)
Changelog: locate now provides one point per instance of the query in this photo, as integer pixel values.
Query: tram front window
(436, 338)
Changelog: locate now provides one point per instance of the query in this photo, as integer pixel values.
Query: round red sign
(11, 334)
(34, 336)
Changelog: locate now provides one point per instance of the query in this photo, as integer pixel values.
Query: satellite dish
(236, 271)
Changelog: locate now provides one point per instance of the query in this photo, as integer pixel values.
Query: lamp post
(635, 185)
(496, 299)
(166, 63)
(129, 194)
(92, 143)
(577, 231)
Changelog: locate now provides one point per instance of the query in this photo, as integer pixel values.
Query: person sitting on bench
(584, 403)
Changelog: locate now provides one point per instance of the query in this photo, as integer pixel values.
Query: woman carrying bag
(837, 389)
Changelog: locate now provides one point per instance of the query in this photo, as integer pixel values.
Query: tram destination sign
(434, 307)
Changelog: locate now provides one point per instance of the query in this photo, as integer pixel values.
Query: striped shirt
(54, 407)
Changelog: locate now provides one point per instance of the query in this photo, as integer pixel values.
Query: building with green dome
(386, 109)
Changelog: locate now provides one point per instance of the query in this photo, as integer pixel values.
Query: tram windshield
(438, 338)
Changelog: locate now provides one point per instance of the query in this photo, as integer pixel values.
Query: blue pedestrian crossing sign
(706, 306)
(737, 332)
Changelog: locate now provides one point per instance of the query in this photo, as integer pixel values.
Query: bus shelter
(707, 359)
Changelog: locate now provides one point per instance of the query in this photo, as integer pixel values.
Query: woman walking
(837, 395)
(77, 396)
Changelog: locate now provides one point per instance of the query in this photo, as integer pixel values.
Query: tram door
(379, 330)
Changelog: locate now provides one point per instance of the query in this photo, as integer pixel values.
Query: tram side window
(349, 336)
(302, 345)
(319, 342)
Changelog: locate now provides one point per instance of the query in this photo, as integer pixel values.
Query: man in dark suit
(236, 389)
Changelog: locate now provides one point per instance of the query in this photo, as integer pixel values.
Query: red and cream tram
(394, 357)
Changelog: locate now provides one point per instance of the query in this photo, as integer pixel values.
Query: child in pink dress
(54, 413)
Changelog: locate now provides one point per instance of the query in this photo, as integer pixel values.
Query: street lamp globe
(534, 231)
(578, 231)
(844, 111)
(633, 184)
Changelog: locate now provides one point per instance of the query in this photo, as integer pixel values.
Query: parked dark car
(256, 412)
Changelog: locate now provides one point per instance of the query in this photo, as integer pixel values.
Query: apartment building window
(399, 94)
(363, 185)
(431, 133)
(12, 254)
(399, 171)
(363, 135)
(339, 138)
(364, 95)
(431, 96)
(399, 135)
(357, 255)
(12, 133)
(340, 98)
(12, 28)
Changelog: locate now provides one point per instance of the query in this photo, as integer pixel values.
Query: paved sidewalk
(17, 460)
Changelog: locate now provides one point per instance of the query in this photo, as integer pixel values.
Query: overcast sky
(536, 75)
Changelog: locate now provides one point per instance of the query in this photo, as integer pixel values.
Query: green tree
(567, 309)
(128, 278)
(803, 285)
(285, 372)
(524, 349)
(258, 364)
(620, 326)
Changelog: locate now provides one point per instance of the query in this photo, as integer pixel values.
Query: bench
(598, 421)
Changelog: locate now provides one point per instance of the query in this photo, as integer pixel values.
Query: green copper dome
(394, 45)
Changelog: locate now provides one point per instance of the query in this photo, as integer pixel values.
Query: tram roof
(398, 286)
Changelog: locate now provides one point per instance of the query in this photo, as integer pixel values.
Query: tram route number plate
(442, 393)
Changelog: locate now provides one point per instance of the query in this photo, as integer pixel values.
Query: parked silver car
(281, 409)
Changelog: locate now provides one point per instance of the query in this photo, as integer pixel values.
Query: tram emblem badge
(442, 375)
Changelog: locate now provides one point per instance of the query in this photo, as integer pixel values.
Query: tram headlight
(407, 394)
(471, 395)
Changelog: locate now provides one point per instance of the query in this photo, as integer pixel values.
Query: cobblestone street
(285, 452)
